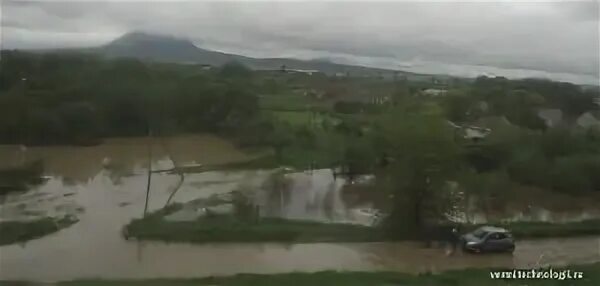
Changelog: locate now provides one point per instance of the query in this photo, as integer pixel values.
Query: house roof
(552, 116)
(476, 132)
(588, 120)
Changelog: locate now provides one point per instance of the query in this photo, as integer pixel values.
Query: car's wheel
(511, 249)
(474, 250)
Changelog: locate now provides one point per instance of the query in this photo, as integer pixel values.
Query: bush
(485, 158)
(529, 167)
(569, 175)
(561, 142)
(235, 69)
(347, 107)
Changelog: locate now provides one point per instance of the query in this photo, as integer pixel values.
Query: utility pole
(149, 169)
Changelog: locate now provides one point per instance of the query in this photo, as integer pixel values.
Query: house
(376, 99)
(380, 99)
(434, 92)
(206, 67)
(474, 133)
(287, 70)
(307, 72)
(588, 120)
(551, 116)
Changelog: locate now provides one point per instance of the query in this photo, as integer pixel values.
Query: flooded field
(105, 187)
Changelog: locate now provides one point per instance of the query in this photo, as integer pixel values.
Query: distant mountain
(171, 49)
(162, 49)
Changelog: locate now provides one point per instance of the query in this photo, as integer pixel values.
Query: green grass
(469, 277)
(297, 118)
(22, 231)
(305, 118)
(543, 229)
(533, 230)
(231, 229)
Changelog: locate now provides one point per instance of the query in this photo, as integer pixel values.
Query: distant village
(434, 87)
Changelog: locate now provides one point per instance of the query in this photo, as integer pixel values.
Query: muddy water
(106, 198)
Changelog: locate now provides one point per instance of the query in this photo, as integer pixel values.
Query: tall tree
(425, 157)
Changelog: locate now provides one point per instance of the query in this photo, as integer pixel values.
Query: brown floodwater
(104, 186)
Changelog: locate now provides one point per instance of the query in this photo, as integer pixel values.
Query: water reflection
(312, 195)
(127, 155)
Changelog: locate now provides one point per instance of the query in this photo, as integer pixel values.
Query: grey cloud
(588, 10)
(554, 37)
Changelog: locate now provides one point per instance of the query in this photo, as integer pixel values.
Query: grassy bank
(231, 229)
(470, 277)
(234, 229)
(545, 229)
(533, 230)
(22, 231)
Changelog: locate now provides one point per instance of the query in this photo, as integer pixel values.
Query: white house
(472, 133)
(588, 120)
(476, 133)
(307, 72)
(434, 92)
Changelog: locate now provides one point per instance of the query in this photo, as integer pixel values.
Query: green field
(305, 118)
(231, 229)
(545, 229)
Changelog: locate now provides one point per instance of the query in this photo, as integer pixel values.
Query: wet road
(106, 199)
(153, 260)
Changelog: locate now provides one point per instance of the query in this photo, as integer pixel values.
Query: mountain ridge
(168, 48)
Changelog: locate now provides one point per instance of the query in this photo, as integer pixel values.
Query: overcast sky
(513, 38)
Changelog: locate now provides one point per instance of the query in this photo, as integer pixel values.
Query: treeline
(522, 146)
(421, 165)
(80, 98)
(519, 100)
(561, 159)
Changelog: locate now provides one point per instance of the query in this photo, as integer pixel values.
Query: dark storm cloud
(547, 36)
